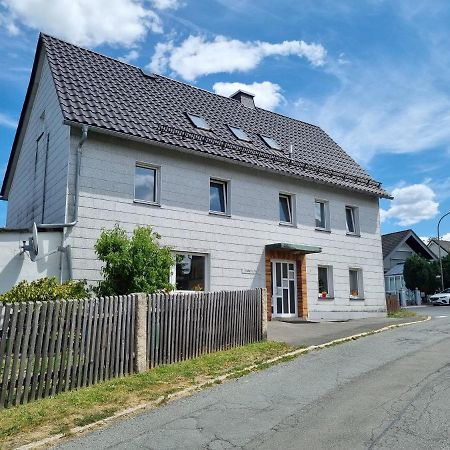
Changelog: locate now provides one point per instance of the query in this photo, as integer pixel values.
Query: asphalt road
(386, 391)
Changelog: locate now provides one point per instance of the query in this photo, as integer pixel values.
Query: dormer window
(272, 143)
(239, 133)
(199, 122)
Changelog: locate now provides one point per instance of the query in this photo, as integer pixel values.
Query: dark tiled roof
(391, 240)
(96, 90)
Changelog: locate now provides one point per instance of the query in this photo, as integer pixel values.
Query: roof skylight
(239, 133)
(272, 143)
(199, 122)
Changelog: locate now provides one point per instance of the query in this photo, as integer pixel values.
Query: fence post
(140, 334)
(264, 313)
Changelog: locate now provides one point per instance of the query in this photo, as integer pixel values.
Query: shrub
(45, 289)
(421, 274)
(132, 264)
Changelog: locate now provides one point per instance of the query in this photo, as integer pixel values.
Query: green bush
(421, 274)
(45, 289)
(132, 264)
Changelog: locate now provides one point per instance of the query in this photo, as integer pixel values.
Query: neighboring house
(434, 245)
(246, 197)
(397, 247)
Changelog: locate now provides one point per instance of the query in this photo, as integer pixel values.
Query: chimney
(244, 97)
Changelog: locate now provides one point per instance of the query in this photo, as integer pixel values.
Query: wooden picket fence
(55, 346)
(185, 325)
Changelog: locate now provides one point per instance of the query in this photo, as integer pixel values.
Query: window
(199, 122)
(146, 183)
(189, 273)
(218, 196)
(272, 143)
(239, 133)
(322, 213)
(285, 202)
(351, 218)
(325, 281)
(356, 288)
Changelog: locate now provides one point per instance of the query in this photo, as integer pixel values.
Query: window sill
(357, 298)
(323, 230)
(145, 202)
(326, 298)
(353, 234)
(218, 213)
(287, 224)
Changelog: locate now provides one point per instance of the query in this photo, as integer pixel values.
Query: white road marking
(440, 317)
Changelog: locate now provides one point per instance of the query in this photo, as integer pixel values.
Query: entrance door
(284, 288)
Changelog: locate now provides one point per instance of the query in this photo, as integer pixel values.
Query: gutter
(83, 139)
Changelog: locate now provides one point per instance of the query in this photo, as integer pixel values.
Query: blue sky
(374, 74)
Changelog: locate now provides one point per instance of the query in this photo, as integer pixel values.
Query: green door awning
(296, 248)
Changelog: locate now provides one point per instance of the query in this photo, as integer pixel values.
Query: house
(434, 245)
(246, 197)
(397, 247)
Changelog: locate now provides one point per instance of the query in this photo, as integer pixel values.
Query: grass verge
(402, 313)
(43, 418)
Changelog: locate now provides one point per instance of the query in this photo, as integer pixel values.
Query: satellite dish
(33, 246)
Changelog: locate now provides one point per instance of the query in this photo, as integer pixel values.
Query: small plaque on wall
(249, 271)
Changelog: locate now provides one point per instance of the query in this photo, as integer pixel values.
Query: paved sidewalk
(316, 333)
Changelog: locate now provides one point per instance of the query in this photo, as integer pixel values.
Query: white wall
(234, 244)
(16, 266)
(399, 256)
(26, 195)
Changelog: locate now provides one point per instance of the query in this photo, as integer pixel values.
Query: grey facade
(232, 245)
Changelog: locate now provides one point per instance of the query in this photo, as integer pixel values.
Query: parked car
(441, 298)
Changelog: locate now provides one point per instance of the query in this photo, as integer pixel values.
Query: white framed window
(356, 284)
(322, 215)
(325, 281)
(352, 220)
(219, 196)
(286, 209)
(190, 272)
(146, 183)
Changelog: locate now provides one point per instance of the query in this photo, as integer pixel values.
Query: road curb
(187, 391)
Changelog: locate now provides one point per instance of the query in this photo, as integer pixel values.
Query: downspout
(77, 187)
(64, 248)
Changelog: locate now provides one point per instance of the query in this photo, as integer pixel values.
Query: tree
(132, 264)
(419, 273)
(445, 270)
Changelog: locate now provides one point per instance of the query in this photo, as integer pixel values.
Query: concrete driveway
(386, 391)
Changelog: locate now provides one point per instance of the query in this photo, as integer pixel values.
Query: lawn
(402, 313)
(43, 418)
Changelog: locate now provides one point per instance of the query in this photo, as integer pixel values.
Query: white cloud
(196, 56)
(7, 121)
(131, 56)
(166, 4)
(267, 95)
(411, 205)
(86, 22)
(446, 237)
(375, 108)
